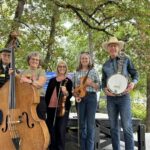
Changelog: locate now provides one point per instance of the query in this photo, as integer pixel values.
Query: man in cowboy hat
(4, 65)
(119, 104)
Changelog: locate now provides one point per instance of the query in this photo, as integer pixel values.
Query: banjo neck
(121, 62)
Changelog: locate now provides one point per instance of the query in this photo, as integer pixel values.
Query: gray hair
(34, 54)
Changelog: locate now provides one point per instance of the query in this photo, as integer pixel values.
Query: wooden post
(148, 104)
(141, 137)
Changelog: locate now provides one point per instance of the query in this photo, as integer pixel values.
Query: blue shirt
(110, 67)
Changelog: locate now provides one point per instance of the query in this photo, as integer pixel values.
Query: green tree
(41, 23)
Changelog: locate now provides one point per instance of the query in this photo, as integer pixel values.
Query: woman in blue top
(86, 105)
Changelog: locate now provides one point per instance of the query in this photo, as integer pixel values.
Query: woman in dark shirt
(59, 88)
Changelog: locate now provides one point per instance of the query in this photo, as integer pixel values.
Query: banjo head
(117, 83)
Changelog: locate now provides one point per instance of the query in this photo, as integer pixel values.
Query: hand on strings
(89, 82)
(130, 87)
(108, 93)
(10, 71)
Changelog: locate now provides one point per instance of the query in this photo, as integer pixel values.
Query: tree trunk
(51, 39)
(16, 23)
(148, 104)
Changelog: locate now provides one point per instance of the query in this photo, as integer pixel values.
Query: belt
(91, 92)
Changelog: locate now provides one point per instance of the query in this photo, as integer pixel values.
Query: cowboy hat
(5, 50)
(113, 40)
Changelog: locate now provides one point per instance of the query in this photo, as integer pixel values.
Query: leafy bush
(139, 111)
(102, 106)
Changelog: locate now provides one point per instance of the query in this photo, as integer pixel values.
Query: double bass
(21, 128)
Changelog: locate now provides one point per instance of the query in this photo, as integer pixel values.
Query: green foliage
(102, 106)
(127, 19)
(139, 111)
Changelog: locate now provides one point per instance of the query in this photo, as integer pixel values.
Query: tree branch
(17, 17)
(34, 32)
(89, 25)
(100, 6)
(77, 10)
(19, 9)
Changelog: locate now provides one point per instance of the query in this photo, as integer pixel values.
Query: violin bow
(59, 95)
(78, 119)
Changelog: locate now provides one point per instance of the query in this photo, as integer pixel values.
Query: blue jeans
(120, 105)
(86, 112)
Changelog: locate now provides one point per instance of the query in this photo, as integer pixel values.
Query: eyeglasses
(6, 55)
(61, 66)
(35, 59)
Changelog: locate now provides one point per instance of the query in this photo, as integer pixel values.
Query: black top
(51, 86)
(4, 75)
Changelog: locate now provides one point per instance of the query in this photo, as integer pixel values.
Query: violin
(61, 102)
(80, 90)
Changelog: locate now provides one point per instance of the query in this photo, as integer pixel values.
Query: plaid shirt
(93, 75)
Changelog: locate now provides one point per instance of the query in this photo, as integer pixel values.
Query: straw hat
(5, 50)
(113, 40)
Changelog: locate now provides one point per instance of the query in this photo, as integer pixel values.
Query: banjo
(117, 83)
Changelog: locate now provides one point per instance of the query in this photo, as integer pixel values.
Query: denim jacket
(110, 67)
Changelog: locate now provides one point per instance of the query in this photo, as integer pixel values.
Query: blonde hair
(64, 63)
(91, 65)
